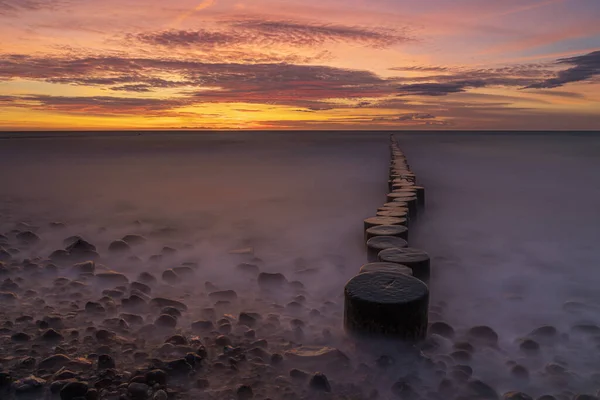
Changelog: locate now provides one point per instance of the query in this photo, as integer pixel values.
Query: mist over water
(511, 222)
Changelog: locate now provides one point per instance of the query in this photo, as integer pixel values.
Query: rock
(79, 245)
(544, 334)
(5, 379)
(223, 340)
(162, 302)
(270, 281)
(52, 335)
(8, 297)
(147, 278)
(104, 335)
(319, 382)
(54, 362)
(29, 385)
(484, 335)
(184, 271)
(156, 376)
(106, 362)
(244, 392)
(519, 372)
(516, 396)
(202, 383)
(132, 319)
(160, 395)
(249, 319)
(74, 390)
(529, 346)
(481, 390)
(177, 340)
(119, 246)
(166, 321)
(317, 354)
(134, 240)
(141, 287)
(404, 390)
(585, 397)
(138, 390)
(442, 329)
(94, 308)
(223, 295)
(88, 267)
(202, 326)
(27, 238)
(20, 337)
(171, 277)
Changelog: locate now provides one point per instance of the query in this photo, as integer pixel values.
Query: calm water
(512, 222)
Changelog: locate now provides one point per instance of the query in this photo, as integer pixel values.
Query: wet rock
(184, 271)
(516, 396)
(80, 246)
(589, 329)
(483, 335)
(271, 281)
(31, 384)
(142, 287)
(404, 391)
(20, 337)
(74, 390)
(134, 240)
(55, 361)
(319, 382)
(160, 395)
(171, 277)
(162, 302)
(156, 376)
(28, 238)
(461, 356)
(249, 319)
(317, 355)
(87, 267)
(166, 321)
(298, 374)
(482, 390)
(544, 334)
(138, 390)
(52, 335)
(105, 362)
(276, 359)
(202, 383)
(8, 297)
(223, 295)
(585, 397)
(202, 326)
(94, 308)
(442, 329)
(134, 302)
(147, 278)
(119, 246)
(177, 340)
(519, 372)
(244, 392)
(172, 311)
(223, 340)
(529, 346)
(104, 335)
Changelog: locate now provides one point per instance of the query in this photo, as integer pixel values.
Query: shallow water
(511, 221)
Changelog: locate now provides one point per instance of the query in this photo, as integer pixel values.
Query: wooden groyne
(390, 296)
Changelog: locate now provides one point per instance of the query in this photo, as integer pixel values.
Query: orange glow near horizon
(230, 64)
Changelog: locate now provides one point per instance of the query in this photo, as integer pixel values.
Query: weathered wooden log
(384, 304)
(374, 221)
(385, 267)
(379, 243)
(393, 213)
(387, 230)
(416, 259)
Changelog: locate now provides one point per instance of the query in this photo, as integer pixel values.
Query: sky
(300, 64)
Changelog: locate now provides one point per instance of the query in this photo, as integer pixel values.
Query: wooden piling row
(390, 296)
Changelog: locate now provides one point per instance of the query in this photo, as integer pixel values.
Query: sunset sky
(299, 64)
